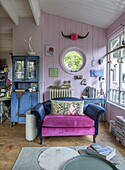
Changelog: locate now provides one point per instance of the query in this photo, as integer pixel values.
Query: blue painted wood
(21, 102)
(14, 107)
(34, 99)
(24, 103)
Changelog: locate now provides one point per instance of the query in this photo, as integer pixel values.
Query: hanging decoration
(74, 36)
(109, 62)
(118, 60)
(100, 61)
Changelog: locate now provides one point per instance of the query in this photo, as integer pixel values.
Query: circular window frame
(65, 51)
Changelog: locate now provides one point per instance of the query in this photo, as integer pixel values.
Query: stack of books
(117, 128)
(112, 127)
(91, 92)
(100, 150)
(120, 129)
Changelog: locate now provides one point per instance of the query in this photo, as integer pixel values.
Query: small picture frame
(53, 72)
(50, 50)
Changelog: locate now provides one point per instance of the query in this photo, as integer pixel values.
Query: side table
(102, 101)
(2, 113)
(31, 127)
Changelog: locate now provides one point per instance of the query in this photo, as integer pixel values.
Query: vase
(31, 53)
(8, 94)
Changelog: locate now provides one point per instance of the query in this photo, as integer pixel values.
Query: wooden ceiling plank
(35, 9)
(10, 11)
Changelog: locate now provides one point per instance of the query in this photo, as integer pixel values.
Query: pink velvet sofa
(67, 125)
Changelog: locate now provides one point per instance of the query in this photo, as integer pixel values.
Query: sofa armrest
(94, 111)
(39, 113)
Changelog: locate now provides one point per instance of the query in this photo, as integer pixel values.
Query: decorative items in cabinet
(5, 83)
(2, 84)
(25, 86)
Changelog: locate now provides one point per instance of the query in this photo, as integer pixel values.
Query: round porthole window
(72, 60)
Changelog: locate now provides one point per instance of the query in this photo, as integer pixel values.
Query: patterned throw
(67, 107)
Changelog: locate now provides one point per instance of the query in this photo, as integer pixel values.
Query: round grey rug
(55, 158)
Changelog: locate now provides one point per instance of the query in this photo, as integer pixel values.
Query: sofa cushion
(67, 107)
(67, 121)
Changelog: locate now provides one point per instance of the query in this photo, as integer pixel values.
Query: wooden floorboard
(12, 139)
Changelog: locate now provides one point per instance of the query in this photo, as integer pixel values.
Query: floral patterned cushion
(67, 107)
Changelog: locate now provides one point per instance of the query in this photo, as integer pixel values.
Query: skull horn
(80, 37)
(66, 36)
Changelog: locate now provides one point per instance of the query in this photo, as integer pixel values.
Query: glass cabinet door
(25, 69)
(19, 69)
(31, 69)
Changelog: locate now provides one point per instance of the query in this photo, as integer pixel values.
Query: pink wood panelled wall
(53, 25)
(111, 110)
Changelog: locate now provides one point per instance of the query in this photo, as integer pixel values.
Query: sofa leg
(41, 140)
(94, 141)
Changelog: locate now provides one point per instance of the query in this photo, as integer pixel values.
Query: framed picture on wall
(50, 50)
(53, 72)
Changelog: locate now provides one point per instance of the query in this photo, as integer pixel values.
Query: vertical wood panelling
(67, 42)
(62, 45)
(83, 43)
(53, 25)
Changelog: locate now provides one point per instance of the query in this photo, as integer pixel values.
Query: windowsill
(120, 107)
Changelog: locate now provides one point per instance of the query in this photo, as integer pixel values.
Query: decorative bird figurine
(28, 42)
(30, 52)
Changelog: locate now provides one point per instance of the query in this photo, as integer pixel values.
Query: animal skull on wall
(74, 36)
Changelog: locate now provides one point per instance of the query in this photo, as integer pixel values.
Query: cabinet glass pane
(31, 69)
(19, 69)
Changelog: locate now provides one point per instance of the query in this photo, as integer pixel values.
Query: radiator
(54, 93)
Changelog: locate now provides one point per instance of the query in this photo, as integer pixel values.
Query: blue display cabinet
(25, 86)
